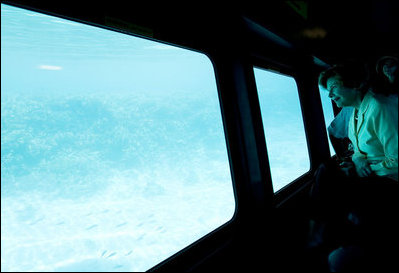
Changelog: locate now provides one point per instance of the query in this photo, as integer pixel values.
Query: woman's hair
(352, 75)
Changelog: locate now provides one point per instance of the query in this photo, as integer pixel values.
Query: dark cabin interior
(300, 38)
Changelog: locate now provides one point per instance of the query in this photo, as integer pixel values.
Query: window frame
(292, 76)
(308, 94)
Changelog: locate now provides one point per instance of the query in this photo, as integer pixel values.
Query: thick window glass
(283, 126)
(113, 155)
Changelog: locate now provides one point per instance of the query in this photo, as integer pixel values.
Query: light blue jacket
(375, 137)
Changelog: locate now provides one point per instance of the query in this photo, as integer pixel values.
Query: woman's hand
(363, 167)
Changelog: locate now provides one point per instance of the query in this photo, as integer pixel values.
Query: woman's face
(343, 96)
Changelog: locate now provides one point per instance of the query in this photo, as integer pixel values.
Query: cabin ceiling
(335, 30)
(330, 30)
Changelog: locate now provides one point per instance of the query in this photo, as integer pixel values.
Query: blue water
(113, 155)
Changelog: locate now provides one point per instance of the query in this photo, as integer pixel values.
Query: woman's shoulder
(382, 105)
(380, 100)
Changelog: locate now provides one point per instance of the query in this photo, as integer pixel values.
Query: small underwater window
(328, 113)
(283, 126)
(113, 154)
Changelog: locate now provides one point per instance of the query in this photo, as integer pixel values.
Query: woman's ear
(385, 70)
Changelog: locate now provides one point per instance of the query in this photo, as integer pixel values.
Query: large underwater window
(283, 127)
(113, 154)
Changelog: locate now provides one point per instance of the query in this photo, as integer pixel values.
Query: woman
(373, 126)
(364, 191)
